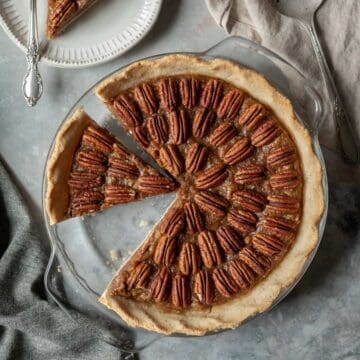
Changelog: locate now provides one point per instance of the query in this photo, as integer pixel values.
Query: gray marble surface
(320, 319)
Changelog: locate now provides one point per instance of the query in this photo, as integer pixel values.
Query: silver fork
(32, 84)
(305, 12)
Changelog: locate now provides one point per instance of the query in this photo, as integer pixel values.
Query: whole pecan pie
(249, 196)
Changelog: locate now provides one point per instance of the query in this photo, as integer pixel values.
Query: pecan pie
(62, 12)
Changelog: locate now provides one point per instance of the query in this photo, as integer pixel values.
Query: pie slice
(89, 170)
(62, 12)
(250, 200)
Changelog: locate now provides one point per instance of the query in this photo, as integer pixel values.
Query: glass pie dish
(90, 249)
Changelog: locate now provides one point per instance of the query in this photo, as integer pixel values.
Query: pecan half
(85, 202)
(81, 208)
(165, 251)
(223, 134)
(250, 174)
(230, 104)
(265, 134)
(160, 286)
(278, 226)
(59, 15)
(172, 159)
(253, 116)
(119, 194)
(120, 150)
(211, 177)
(204, 287)
(98, 139)
(173, 222)
(239, 151)
(196, 158)
(229, 239)
(180, 291)
(211, 95)
(242, 220)
(81, 180)
(212, 203)
(92, 161)
(241, 273)
(282, 204)
(122, 169)
(189, 259)
(145, 96)
(287, 179)
(139, 276)
(224, 283)
(281, 157)
(194, 218)
(189, 90)
(266, 244)
(179, 126)
(249, 200)
(257, 262)
(209, 249)
(158, 128)
(128, 111)
(156, 184)
(141, 136)
(202, 123)
(168, 90)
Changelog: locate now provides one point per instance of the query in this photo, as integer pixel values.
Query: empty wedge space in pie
(248, 183)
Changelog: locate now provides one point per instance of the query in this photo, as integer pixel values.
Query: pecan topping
(179, 126)
(173, 222)
(165, 251)
(282, 204)
(145, 96)
(229, 239)
(281, 157)
(278, 226)
(253, 116)
(249, 200)
(230, 104)
(120, 150)
(241, 273)
(85, 202)
(242, 220)
(168, 93)
(141, 136)
(287, 179)
(211, 95)
(189, 90)
(92, 161)
(203, 121)
(171, 159)
(139, 276)
(265, 134)
(224, 283)
(196, 158)
(258, 263)
(250, 174)
(158, 128)
(194, 218)
(189, 260)
(204, 287)
(212, 203)
(98, 139)
(266, 244)
(122, 169)
(239, 151)
(81, 180)
(59, 15)
(160, 286)
(223, 134)
(209, 249)
(156, 184)
(180, 292)
(211, 177)
(119, 194)
(78, 209)
(128, 111)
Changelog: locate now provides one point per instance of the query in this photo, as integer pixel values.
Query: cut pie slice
(62, 12)
(89, 170)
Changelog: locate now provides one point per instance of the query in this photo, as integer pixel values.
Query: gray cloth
(338, 24)
(30, 327)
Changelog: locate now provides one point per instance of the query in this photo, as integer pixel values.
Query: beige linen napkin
(339, 31)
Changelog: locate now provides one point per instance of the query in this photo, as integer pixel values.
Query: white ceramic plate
(105, 31)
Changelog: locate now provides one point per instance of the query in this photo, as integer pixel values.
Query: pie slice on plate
(62, 12)
(89, 170)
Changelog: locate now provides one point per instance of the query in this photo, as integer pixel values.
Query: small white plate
(105, 31)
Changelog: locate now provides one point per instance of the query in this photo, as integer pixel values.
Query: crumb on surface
(115, 254)
(143, 223)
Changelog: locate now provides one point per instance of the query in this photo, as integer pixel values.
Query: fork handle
(344, 128)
